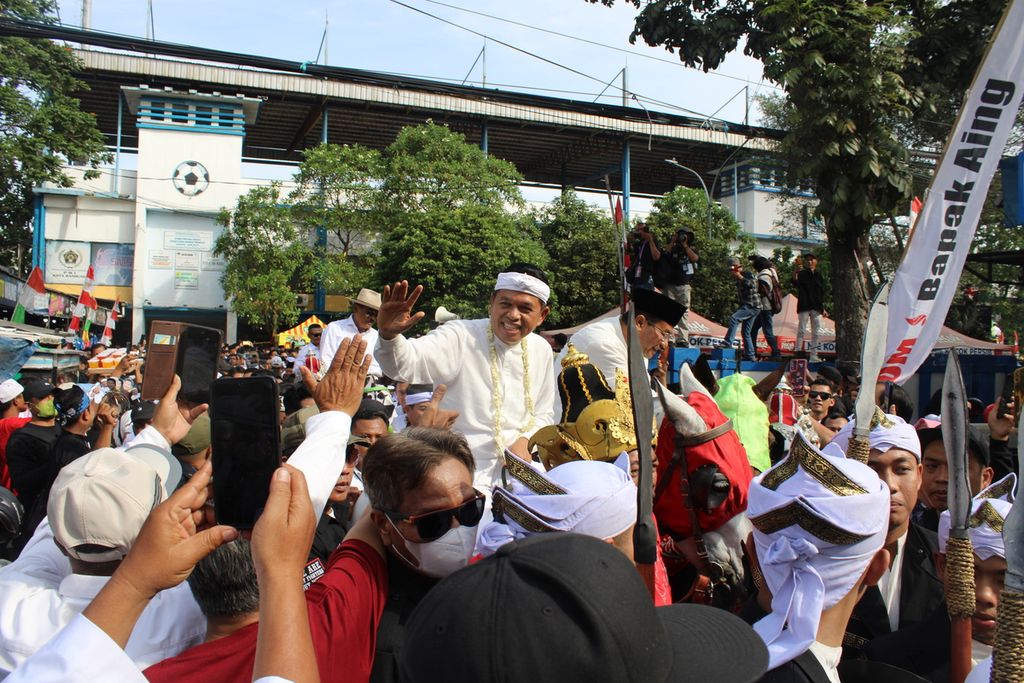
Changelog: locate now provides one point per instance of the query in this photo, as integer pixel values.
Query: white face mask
(437, 559)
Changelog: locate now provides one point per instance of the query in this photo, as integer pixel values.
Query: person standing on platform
(810, 294)
(361, 322)
(496, 370)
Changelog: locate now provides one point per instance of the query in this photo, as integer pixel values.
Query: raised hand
(163, 555)
(171, 420)
(342, 386)
(395, 315)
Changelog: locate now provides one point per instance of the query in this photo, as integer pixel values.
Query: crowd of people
(468, 505)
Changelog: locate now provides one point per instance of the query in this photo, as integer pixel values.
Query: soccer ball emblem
(191, 178)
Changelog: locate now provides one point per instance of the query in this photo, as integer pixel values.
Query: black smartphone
(246, 438)
(197, 362)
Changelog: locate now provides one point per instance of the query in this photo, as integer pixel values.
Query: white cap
(887, 432)
(102, 499)
(9, 390)
(588, 497)
(988, 515)
(818, 521)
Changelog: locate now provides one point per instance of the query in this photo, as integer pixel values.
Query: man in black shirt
(810, 293)
(29, 447)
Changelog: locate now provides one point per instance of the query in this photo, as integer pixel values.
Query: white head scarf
(890, 432)
(818, 521)
(521, 282)
(988, 514)
(589, 497)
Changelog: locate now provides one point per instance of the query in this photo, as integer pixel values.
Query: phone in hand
(189, 351)
(1018, 392)
(796, 375)
(245, 437)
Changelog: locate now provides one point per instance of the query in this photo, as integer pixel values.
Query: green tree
(857, 77)
(41, 125)
(265, 256)
(583, 248)
(448, 219)
(714, 291)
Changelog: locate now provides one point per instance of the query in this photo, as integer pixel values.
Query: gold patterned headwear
(988, 516)
(818, 521)
(597, 423)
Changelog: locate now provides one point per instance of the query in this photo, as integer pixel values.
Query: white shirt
(605, 344)
(309, 349)
(829, 658)
(37, 600)
(457, 354)
(83, 653)
(982, 671)
(346, 329)
(891, 584)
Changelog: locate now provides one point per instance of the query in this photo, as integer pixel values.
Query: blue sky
(383, 36)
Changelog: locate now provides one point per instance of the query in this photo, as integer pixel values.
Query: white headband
(899, 435)
(415, 399)
(521, 282)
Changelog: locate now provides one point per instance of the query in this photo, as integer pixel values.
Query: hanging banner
(927, 278)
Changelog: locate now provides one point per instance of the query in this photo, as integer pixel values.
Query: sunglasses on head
(433, 525)
(823, 395)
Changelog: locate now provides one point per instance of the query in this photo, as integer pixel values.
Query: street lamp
(707, 194)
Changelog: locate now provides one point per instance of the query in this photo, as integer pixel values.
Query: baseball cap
(99, 502)
(38, 389)
(197, 439)
(10, 389)
(360, 440)
(587, 597)
(145, 410)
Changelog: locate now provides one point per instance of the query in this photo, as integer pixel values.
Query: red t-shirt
(8, 425)
(345, 606)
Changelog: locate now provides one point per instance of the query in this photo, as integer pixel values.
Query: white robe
(457, 354)
(605, 344)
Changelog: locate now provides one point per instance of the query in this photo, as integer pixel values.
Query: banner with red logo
(928, 277)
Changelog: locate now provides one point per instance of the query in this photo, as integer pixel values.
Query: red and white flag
(85, 302)
(915, 211)
(108, 329)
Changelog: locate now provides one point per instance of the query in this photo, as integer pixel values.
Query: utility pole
(86, 14)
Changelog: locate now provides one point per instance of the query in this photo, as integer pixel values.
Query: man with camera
(644, 254)
(679, 264)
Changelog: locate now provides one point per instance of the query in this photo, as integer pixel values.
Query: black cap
(144, 410)
(810, 254)
(579, 612)
(38, 389)
(650, 303)
(369, 409)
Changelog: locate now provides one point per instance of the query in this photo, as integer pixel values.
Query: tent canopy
(299, 333)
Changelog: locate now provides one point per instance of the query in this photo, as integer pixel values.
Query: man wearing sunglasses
(310, 350)
(423, 521)
(820, 399)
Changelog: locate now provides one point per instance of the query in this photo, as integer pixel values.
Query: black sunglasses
(433, 525)
(823, 395)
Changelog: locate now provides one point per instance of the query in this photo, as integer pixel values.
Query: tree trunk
(273, 330)
(849, 291)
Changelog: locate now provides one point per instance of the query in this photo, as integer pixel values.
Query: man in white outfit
(497, 372)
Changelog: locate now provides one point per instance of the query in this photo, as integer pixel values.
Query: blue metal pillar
(625, 183)
(484, 141)
(39, 233)
(320, 293)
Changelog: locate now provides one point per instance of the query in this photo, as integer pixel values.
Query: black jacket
(920, 593)
(805, 668)
(922, 649)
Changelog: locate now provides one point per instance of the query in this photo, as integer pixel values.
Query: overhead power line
(595, 43)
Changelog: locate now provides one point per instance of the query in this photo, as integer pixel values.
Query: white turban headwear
(887, 431)
(589, 497)
(988, 515)
(521, 282)
(818, 520)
